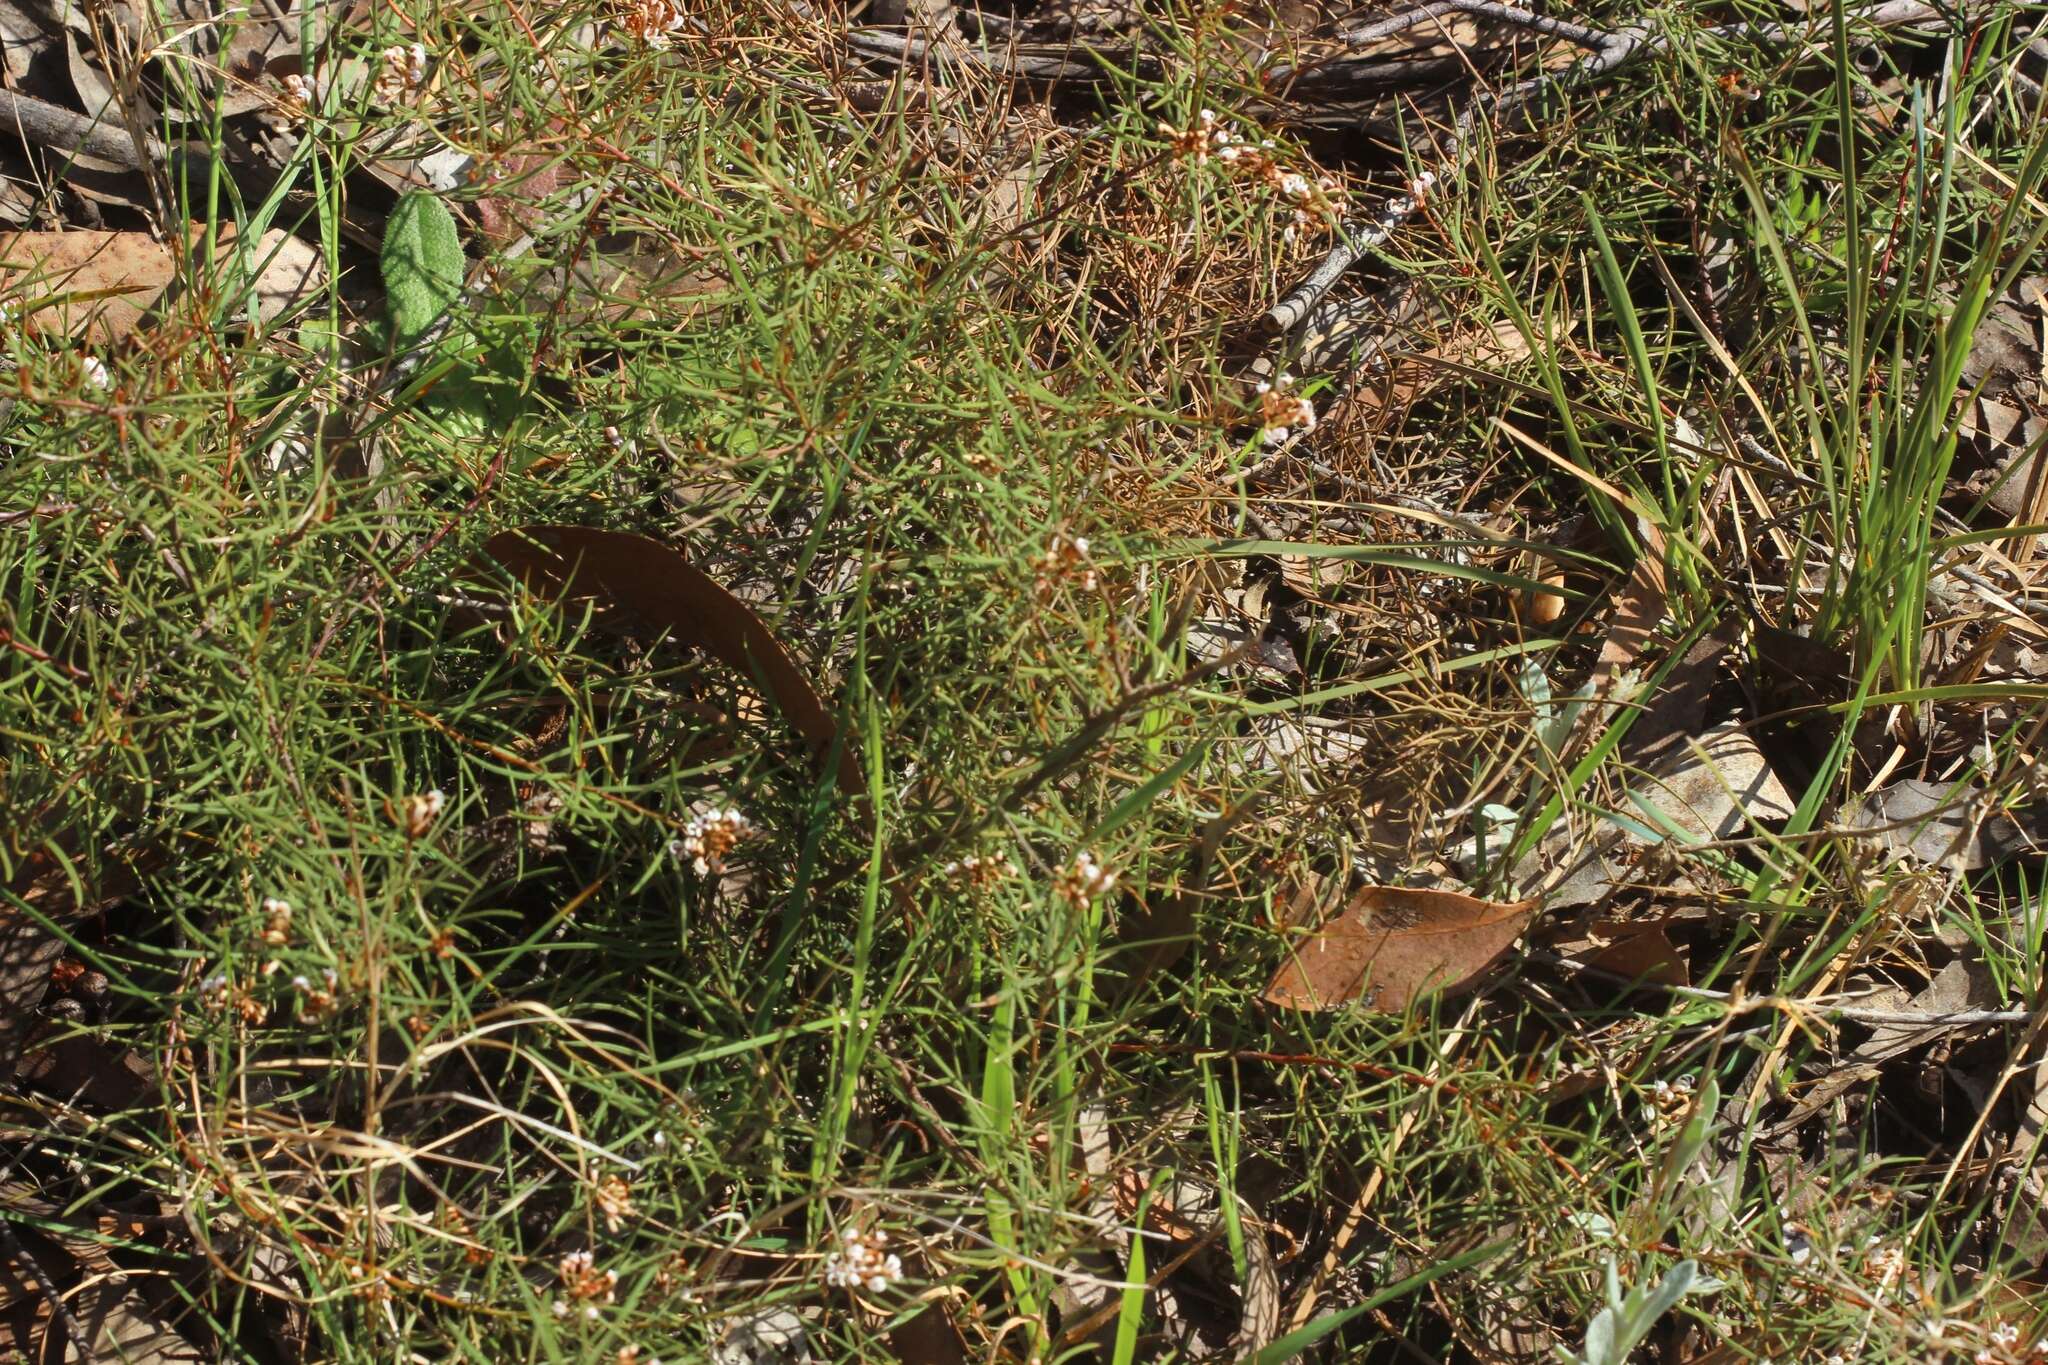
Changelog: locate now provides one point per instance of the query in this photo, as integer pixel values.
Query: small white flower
(863, 1262)
(978, 872)
(97, 375)
(1082, 880)
(416, 814)
(656, 22)
(2005, 1334)
(1295, 185)
(1066, 557)
(277, 922)
(709, 837)
(405, 70)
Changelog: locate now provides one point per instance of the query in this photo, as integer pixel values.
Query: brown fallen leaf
(655, 583)
(91, 285)
(1409, 377)
(45, 891)
(100, 286)
(1637, 952)
(1639, 607)
(1393, 945)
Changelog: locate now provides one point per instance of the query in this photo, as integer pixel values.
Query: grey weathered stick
(42, 124)
(1485, 9)
(56, 129)
(1608, 53)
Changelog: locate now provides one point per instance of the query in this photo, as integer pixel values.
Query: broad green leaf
(422, 265)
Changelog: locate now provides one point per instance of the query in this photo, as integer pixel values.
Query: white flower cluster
(614, 1199)
(277, 922)
(1082, 880)
(416, 814)
(1281, 412)
(317, 1002)
(1668, 1100)
(709, 837)
(584, 1283)
(1208, 138)
(978, 872)
(2004, 1337)
(863, 1261)
(405, 70)
(299, 94)
(1306, 199)
(655, 22)
(1065, 559)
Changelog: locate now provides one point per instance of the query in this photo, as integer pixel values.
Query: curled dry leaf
(1963, 985)
(1409, 377)
(234, 46)
(656, 584)
(1632, 952)
(1393, 945)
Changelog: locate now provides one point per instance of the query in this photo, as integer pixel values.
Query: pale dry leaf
(1944, 824)
(1715, 787)
(288, 269)
(30, 35)
(120, 1326)
(1964, 984)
